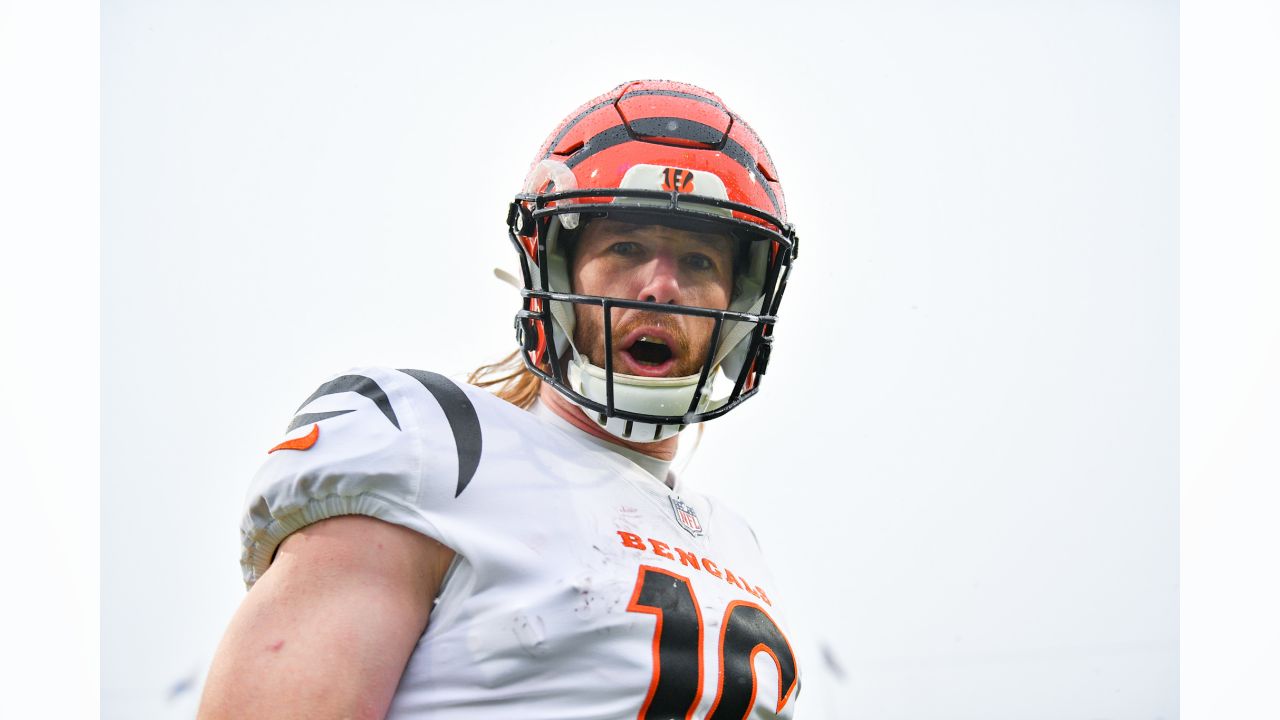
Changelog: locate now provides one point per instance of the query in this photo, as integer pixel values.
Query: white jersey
(582, 587)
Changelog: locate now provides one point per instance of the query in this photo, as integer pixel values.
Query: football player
(420, 548)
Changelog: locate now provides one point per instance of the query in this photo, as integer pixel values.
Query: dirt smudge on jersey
(531, 632)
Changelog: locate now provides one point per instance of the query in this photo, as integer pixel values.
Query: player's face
(658, 264)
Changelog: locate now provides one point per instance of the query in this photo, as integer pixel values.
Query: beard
(690, 336)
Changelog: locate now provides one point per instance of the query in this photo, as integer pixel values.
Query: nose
(661, 284)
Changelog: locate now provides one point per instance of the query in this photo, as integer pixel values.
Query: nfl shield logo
(686, 516)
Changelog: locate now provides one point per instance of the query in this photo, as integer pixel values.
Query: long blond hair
(509, 379)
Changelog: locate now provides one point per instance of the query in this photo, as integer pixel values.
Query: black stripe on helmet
(582, 115)
(655, 128)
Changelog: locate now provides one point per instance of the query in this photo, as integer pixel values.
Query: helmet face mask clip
(643, 181)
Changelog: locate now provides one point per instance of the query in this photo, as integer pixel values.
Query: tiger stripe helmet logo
(677, 180)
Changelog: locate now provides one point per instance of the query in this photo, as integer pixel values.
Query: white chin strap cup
(651, 396)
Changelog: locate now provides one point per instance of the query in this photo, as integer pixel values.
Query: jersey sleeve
(361, 444)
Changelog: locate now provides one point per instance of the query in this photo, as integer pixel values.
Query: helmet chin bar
(657, 396)
(645, 409)
(636, 408)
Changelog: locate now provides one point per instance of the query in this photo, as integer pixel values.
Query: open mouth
(649, 353)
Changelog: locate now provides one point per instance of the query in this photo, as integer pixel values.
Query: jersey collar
(660, 469)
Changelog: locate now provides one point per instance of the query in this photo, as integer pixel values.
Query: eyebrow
(626, 228)
(718, 241)
(709, 238)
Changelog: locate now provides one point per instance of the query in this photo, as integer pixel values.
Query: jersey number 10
(677, 650)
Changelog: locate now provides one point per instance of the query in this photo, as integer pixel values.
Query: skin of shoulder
(328, 629)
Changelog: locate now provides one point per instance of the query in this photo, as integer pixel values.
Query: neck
(560, 405)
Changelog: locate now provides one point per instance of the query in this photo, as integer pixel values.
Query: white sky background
(963, 465)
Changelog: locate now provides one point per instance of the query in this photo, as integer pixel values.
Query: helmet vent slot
(565, 151)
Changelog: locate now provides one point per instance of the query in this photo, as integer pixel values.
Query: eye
(624, 249)
(699, 262)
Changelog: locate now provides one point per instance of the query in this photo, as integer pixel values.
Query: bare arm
(327, 631)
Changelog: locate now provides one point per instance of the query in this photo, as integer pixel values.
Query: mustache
(668, 322)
